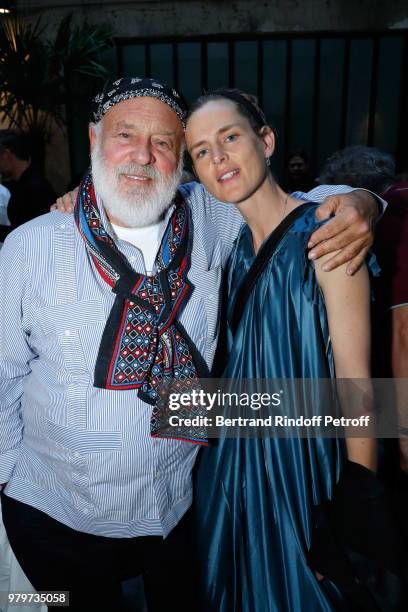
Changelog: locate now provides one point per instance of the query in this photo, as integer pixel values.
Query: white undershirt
(146, 239)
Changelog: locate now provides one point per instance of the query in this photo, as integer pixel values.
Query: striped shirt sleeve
(318, 194)
(228, 220)
(15, 352)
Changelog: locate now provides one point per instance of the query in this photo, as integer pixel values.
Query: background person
(4, 200)
(31, 194)
(298, 172)
(375, 169)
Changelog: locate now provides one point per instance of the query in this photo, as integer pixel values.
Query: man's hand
(350, 232)
(66, 203)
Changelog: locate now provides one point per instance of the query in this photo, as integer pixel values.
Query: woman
(254, 498)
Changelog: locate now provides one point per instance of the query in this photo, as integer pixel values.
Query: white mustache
(134, 169)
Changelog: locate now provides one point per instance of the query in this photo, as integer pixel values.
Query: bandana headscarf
(144, 346)
(137, 87)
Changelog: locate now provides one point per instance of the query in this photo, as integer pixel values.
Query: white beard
(138, 205)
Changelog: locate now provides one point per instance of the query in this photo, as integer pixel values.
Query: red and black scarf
(144, 346)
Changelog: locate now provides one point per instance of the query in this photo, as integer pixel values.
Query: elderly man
(97, 311)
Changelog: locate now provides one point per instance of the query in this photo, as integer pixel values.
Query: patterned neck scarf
(144, 346)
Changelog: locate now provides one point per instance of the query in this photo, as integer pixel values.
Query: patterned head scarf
(137, 87)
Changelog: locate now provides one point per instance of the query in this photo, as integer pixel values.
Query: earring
(268, 161)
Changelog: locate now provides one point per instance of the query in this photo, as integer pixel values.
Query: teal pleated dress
(253, 497)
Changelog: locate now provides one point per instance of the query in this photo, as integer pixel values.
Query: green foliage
(35, 71)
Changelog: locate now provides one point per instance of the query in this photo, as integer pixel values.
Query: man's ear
(92, 136)
(268, 137)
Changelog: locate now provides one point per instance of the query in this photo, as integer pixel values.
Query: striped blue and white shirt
(84, 455)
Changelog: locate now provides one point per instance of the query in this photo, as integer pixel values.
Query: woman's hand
(350, 232)
(66, 203)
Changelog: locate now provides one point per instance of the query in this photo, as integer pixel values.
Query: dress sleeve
(305, 226)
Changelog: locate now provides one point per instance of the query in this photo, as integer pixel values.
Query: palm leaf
(35, 71)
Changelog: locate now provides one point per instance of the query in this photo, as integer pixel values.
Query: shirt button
(85, 511)
(77, 455)
(67, 332)
(62, 226)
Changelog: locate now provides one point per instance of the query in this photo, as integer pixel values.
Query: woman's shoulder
(306, 223)
(305, 218)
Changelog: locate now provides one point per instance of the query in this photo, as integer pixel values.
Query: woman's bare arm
(347, 301)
